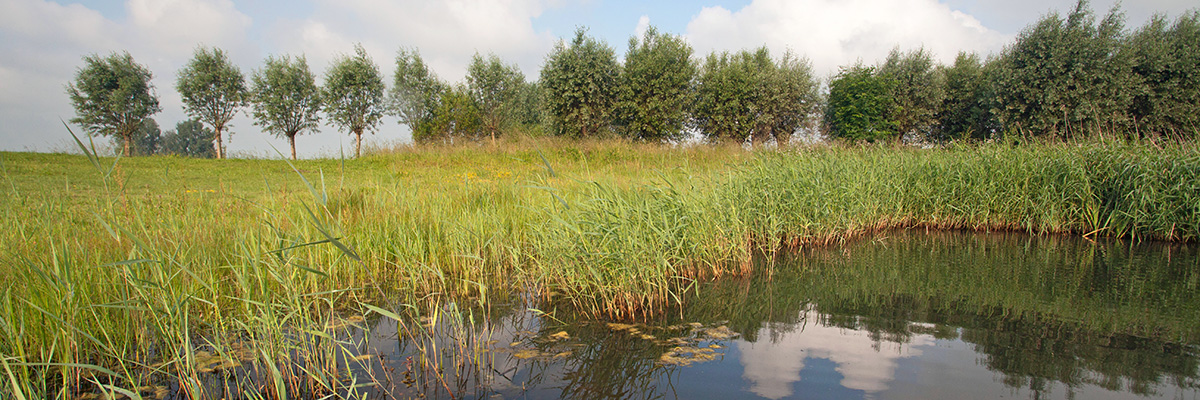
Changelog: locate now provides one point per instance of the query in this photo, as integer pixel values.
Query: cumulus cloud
(643, 24)
(43, 43)
(174, 27)
(447, 33)
(834, 33)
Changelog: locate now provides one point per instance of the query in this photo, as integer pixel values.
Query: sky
(42, 42)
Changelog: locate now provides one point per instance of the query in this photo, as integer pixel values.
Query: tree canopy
(656, 86)
(965, 112)
(494, 87)
(749, 95)
(415, 93)
(1166, 61)
(353, 95)
(213, 91)
(859, 102)
(286, 99)
(112, 96)
(916, 90)
(1065, 77)
(580, 83)
(190, 138)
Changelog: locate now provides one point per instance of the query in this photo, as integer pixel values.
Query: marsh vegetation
(148, 272)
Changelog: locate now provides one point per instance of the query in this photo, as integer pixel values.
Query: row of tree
(660, 93)
(189, 138)
(1063, 77)
(113, 96)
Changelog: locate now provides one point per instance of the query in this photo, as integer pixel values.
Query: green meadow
(121, 274)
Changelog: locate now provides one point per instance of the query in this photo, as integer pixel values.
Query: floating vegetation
(207, 362)
(686, 356)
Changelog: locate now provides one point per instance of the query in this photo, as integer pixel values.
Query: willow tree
(580, 83)
(213, 91)
(1167, 63)
(656, 85)
(1066, 77)
(859, 102)
(190, 138)
(415, 93)
(286, 99)
(112, 96)
(917, 92)
(965, 112)
(749, 95)
(494, 87)
(353, 95)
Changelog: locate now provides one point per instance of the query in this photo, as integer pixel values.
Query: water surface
(903, 315)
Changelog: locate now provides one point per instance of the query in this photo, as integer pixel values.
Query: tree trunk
(217, 143)
(292, 142)
(357, 143)
(128, 136)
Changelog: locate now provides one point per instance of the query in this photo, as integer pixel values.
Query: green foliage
(112, 96)
(529, 111)
(353, 95)
(189, 139)
(213, 91)
(749, 95)
(917, 92)
(1167, 62)
(495, 88)
(724, 95)
(286, 98)
(859, 104)
(415, 93)
(580, 82)
(147, 140)
(655, 87)
(965, 112)
(457, 116)
(1066, 78)
(788, 99)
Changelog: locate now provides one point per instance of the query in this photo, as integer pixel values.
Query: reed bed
(117, 273)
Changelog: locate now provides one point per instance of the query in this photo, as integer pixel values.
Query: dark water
(906, 315)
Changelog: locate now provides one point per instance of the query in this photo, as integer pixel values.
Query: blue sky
(42, 41)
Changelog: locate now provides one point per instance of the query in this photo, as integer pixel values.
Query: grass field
(128, 268)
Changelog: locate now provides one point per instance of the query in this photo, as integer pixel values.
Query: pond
(901, 315)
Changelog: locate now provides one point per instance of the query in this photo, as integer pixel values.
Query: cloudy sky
(42, 42)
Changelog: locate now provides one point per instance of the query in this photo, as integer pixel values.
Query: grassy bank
(137, 269)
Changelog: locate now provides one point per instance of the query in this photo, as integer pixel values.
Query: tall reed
(121, 273)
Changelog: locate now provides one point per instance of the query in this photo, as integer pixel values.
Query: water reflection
(904, 315)
(863, 362)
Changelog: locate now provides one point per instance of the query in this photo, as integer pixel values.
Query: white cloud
(834, 33)
(447, 33)
(175, 27)
(642, 25)
(43, 44)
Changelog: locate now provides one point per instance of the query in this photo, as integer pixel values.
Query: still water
(902, 315)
